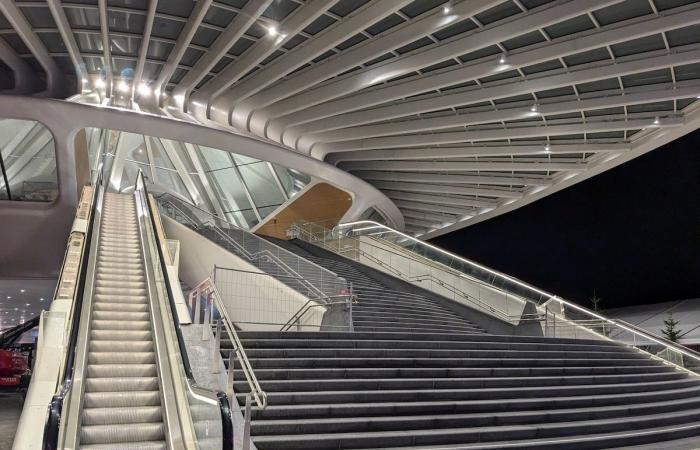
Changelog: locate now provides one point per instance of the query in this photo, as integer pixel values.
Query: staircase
(415, 376)
(382, 308)
(122, 400)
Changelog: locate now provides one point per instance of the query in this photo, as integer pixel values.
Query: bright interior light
(144, 90)
(447, 9)
(272, 30)
(547, 148)
(502, 59)
(123, 87)
(534, 108)
(656, 121)
(100, 83)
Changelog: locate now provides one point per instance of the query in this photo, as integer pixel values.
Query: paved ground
(10, 409)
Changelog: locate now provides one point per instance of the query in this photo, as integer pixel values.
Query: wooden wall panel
(321, 203)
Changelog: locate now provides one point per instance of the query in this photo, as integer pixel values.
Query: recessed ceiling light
(547, 148)
(144, 90)
(41, 299)
(502, 59)
(272, 30)
(9, 297)
(656, 121)
(447, 9)
(23, 290)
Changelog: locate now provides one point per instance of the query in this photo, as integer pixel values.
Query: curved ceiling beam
(482, 68)
(530, 21)
(509, 114)
(24, 78)
(69, 117)
(441, 199)
(431, 22)
(143, 50)
(183, 41)
(498, 134)
(446, 179)
(106, 47)
(442, 189)
(59, 16)
(470, 152)
(204, 100)
(467, 166)
(54, 77)
(232, 33)
(433, 207)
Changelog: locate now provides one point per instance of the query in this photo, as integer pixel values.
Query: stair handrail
(348, 230)
(301, 229)
(167, 199)
(207, 287)
(218, 396)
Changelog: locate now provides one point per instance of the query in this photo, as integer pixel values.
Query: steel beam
(143, 50)
(459, 166)
(24, 78)
(497, 134)
(196, 16)
(446, 179)
(59, 16)
(442, 189)
(471, 151)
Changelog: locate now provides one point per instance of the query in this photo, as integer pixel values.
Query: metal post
(246, 426)
(216, 354)
(207, 319)
(197, 306)
(231, 368)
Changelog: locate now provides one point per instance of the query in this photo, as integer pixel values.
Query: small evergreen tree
(671, 332)
(595, 301)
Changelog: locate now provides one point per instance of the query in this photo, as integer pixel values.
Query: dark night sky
(631, 233)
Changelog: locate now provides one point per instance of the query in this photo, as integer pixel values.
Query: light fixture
(23, 290)
(123, 87)
(502, 59)
(535, 108)
(41, 299)
(272, 31)
(100, 83)
(547, 148)
(447, 9)
(144, 90)
(656, 121)
(9, 297)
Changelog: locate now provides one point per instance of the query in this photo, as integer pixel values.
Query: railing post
(246, 425)
(231, 368)
(215, 355)
(197, 307)
(207, 319)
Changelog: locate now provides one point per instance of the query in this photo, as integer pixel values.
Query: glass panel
(28, 161)
(262, 185)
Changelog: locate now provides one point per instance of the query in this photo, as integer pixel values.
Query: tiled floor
(10, 409)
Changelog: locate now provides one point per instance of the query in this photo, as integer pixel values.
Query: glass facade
(242, 189)
(27, 161)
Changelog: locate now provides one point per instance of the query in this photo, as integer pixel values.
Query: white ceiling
(458, 111)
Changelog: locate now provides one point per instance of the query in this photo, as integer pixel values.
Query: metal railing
(258, 300)
(558, 316)
(304, 276)
(395, 261)
(206, 307)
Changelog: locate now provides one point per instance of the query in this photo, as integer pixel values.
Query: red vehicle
(15, 359)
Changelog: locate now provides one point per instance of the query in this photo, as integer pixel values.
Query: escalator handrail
(224, 405)
(53, 421)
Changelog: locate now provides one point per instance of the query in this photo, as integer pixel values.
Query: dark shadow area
(632, 234)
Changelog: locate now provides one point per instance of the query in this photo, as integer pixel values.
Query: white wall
(248, 297)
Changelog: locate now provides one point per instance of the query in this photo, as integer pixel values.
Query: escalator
(126, 379)
(122, 391)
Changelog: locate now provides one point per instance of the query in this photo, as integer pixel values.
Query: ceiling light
(534, 108)
(144, 90)
(100, 83)
(41, 299)
(447, 9)
(272, 31)
(502, 59)
(27, 304)
(9, 297)
(122, 87)
(656, 121)
(547, 148)
(23, 290)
